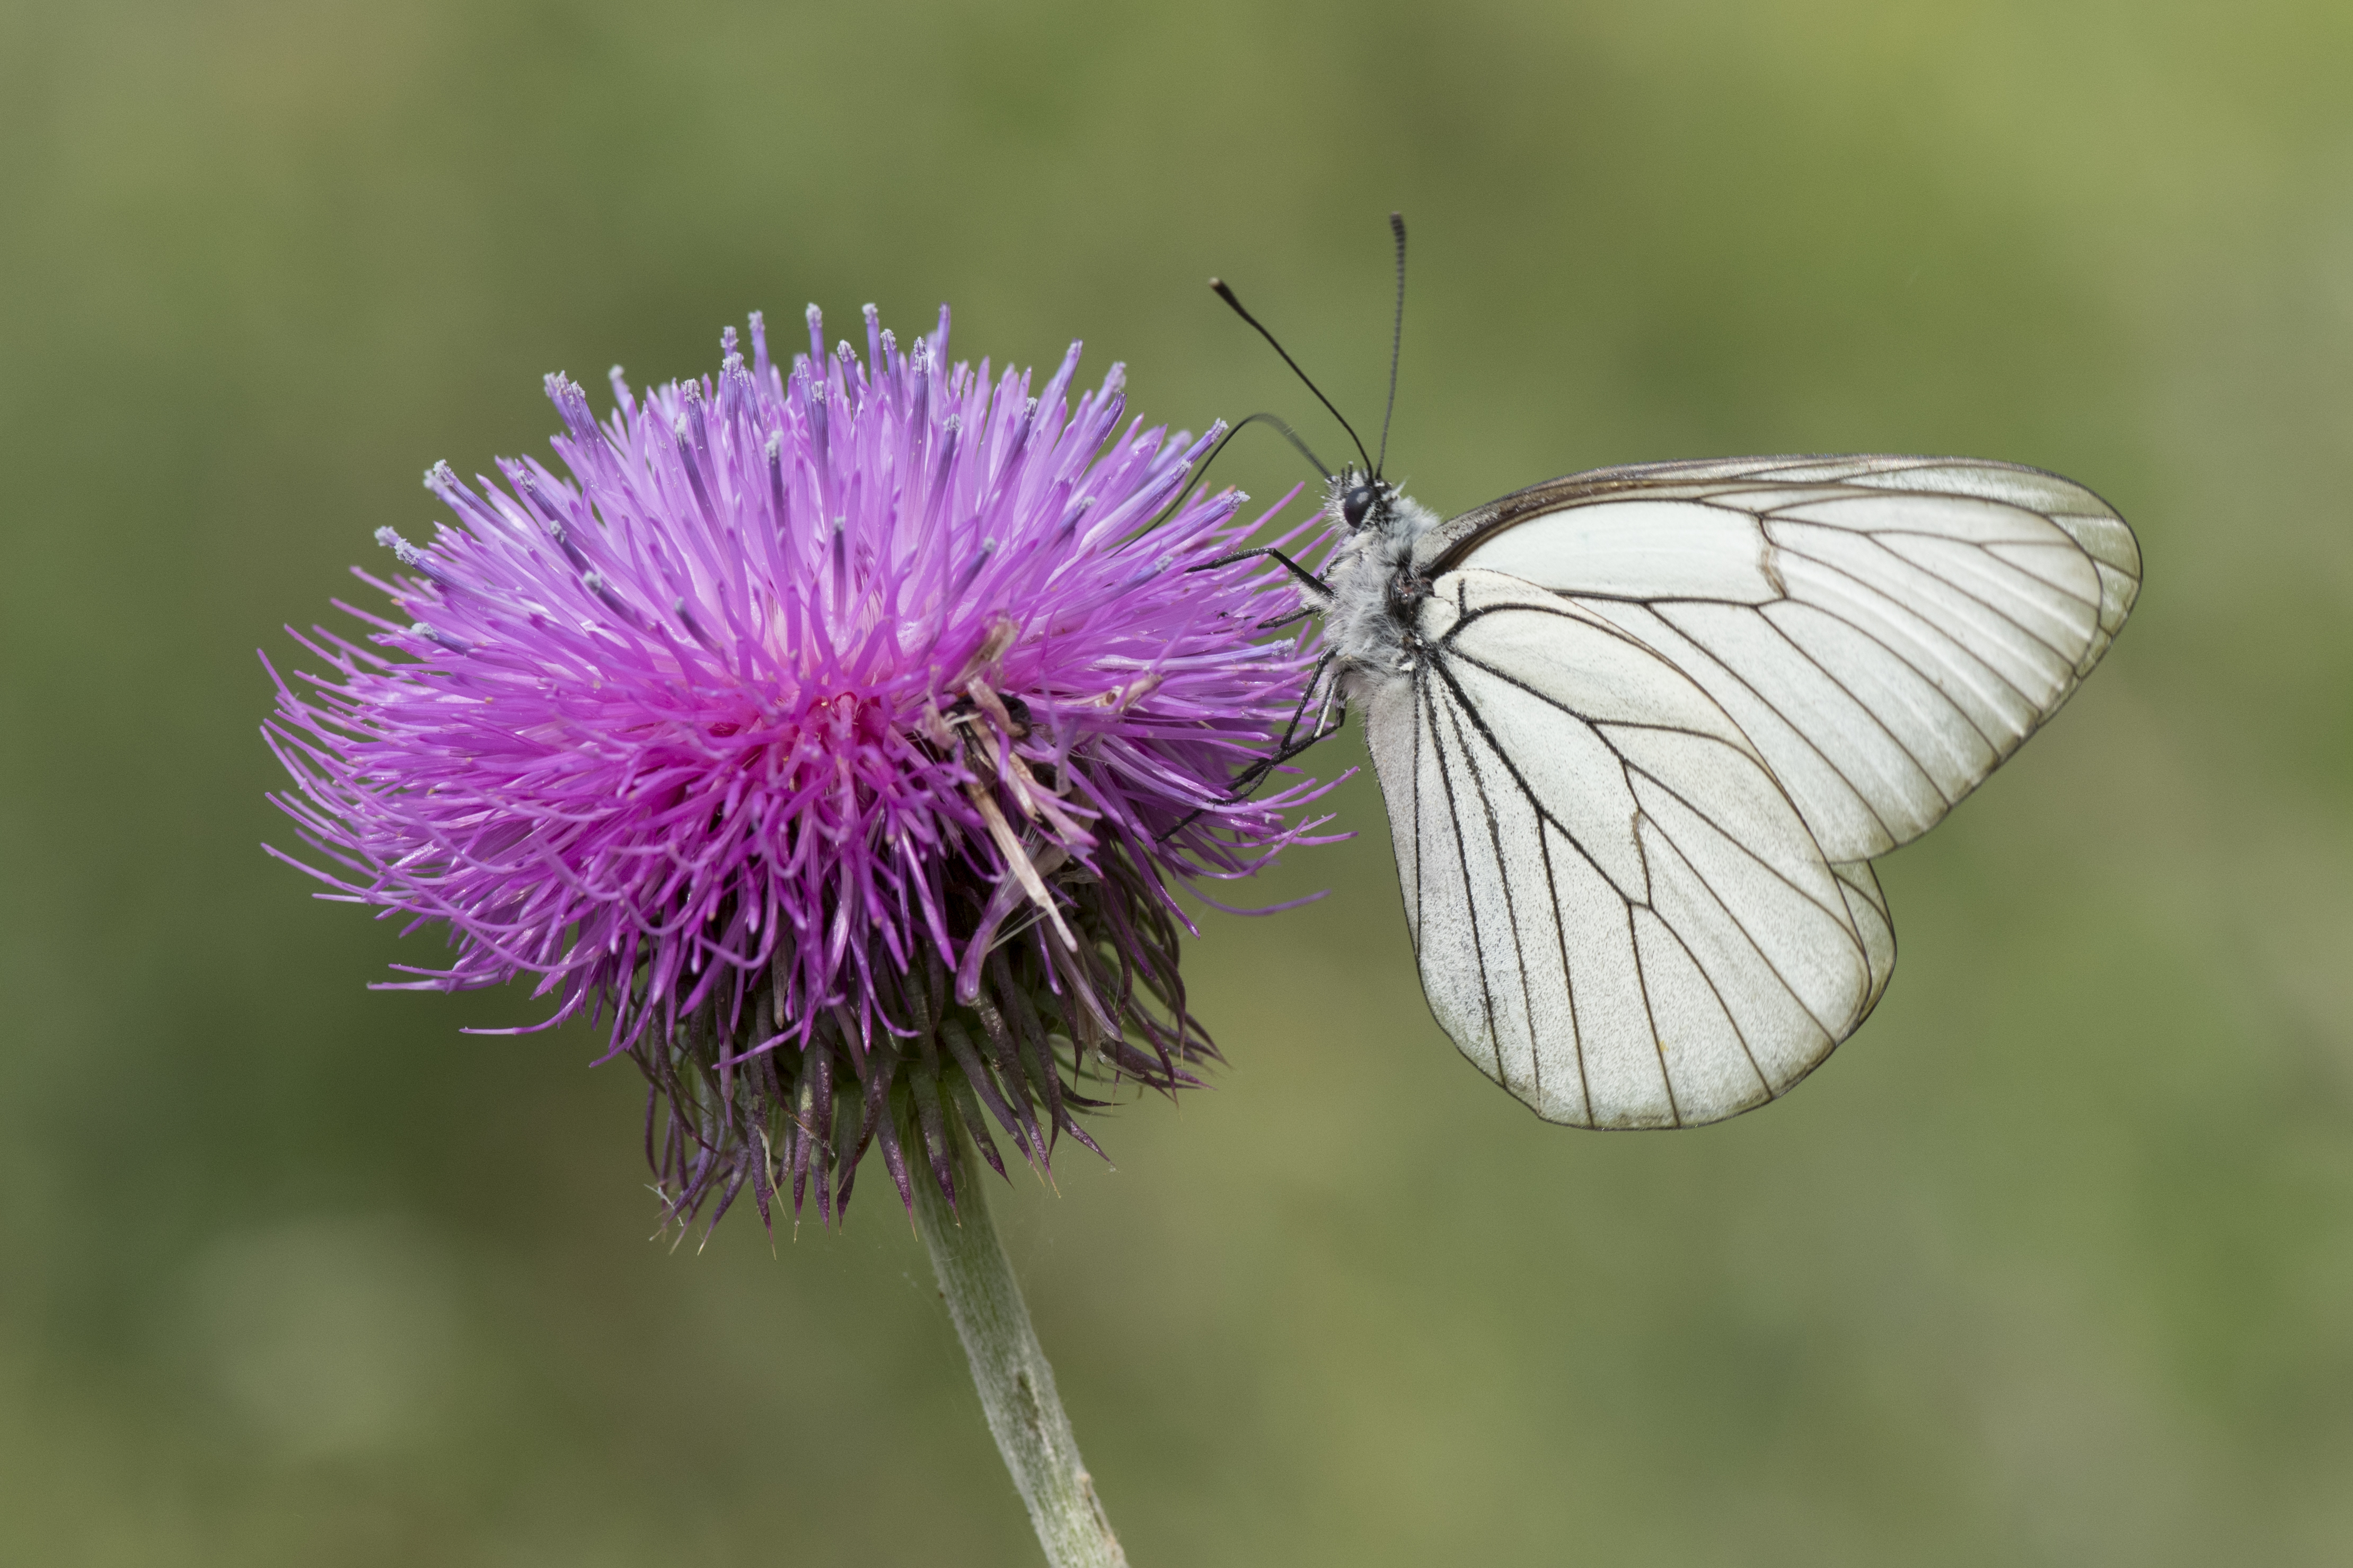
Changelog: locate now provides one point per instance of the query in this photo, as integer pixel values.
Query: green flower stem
(1016, 1387)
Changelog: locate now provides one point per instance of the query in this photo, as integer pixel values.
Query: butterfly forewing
(1884, 630)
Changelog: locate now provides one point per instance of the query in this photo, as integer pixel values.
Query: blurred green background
(2054, 1265)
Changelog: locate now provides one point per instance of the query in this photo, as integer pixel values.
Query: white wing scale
(1662, 719)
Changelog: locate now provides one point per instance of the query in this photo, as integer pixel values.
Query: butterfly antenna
(1228, 296)
(1396, 341)
(1288, 434)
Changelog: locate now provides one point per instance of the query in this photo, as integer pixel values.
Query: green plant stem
(1016, 1387)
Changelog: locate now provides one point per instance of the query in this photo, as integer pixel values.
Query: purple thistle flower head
(839, 732)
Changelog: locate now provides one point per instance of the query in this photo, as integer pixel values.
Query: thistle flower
(839, 734)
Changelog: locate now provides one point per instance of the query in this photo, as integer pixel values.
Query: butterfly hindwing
(1619, 912)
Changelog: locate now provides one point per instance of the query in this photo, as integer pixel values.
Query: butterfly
(1642, 730)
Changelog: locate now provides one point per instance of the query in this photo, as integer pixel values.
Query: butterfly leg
(1269, 552)
(1330, 718)
(1252, 776)
(1291, 745)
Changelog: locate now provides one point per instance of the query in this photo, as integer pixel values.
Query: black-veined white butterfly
(1642, 730)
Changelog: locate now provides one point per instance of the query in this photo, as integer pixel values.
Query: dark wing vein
(1568, 972)
(1463, 698)
(1851, 695)
(1723, 1005)
(1869, 536)
(1469, 899)
(1881, 594)
(1504, 876)
(1658, 1039)
(1732, 672)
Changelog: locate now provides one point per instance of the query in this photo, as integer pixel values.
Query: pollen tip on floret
(408, 555)
(572, 405)
(455, 645)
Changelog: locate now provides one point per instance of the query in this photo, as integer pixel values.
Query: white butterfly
(1642, 730)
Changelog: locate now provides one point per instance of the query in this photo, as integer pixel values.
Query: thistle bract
(838, 732)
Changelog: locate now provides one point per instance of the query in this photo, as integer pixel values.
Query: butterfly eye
(1357, 502)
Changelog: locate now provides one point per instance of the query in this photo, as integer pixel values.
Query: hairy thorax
(1369, 623)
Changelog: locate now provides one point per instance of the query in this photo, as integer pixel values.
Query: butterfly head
(1362, 501)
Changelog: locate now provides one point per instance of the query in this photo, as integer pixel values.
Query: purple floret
(838, 732)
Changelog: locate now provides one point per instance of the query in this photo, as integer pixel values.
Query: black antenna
(1228, 296)
(1396, 341)
(1288, 434)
